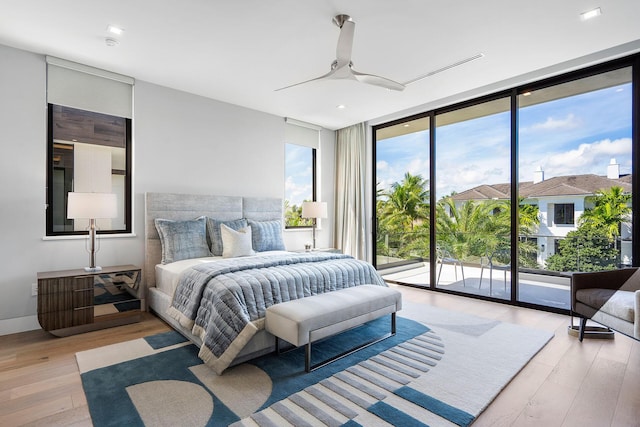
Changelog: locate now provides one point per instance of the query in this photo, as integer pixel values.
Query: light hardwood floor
(568, 383)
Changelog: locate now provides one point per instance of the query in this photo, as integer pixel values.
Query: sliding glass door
(575, 164)
(473, 190)
(505, 197)
(402, 198)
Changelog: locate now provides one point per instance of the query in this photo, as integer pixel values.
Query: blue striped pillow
(267, 235)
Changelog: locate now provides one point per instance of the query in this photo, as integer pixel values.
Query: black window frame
(632, 60)
(562, 215)
(314, 185)
(50, 169)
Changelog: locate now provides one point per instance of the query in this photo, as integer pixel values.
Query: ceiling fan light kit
(342, 66)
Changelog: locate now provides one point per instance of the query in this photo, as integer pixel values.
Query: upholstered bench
(303, 321)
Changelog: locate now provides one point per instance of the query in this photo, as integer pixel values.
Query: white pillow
(235, 243)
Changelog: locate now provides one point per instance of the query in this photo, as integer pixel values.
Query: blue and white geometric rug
(441, 369)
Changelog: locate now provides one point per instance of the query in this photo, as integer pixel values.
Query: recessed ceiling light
(527, 93)
(115, 30)
(341, 107)
(406, 125)
(591, 14)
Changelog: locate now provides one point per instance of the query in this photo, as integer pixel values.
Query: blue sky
(298, 185)
(575, 135)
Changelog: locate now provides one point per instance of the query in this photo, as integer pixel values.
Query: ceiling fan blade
(377, 81)
(345, 42)
(341, 68)
(326, 76)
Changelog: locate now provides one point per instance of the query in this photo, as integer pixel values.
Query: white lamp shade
(92, 205)
(314, 209)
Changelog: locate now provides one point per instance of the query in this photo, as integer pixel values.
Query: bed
(219, 302)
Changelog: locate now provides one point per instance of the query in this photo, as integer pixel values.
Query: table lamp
(91, 206)
(314, 210)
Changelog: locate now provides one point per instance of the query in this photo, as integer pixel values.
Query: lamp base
(95, 269)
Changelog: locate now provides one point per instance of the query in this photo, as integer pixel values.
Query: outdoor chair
(492, 262)
(445, 257)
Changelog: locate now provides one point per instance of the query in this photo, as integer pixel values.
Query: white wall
(182, 143)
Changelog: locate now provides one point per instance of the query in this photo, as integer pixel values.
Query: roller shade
(87, 88)
(301, 133)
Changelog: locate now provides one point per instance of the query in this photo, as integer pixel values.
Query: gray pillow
(267, 235)
(182, 239)
(213, 230)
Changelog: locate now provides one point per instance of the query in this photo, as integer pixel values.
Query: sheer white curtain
(350, 190)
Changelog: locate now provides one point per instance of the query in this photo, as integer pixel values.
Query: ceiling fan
(342, 67)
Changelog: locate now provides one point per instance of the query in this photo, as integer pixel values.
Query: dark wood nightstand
(75, 301)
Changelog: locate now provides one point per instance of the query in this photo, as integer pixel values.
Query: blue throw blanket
(224, 302)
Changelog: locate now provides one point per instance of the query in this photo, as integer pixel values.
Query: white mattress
(168, 275)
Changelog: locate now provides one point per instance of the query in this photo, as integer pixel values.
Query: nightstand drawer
(75, 301)
(65, 318)
(66, 284)
(65, 294)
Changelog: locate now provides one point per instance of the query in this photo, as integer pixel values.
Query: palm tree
(407, 201)
(403, 213)
(528, 221)
(481, 228)
(611, 208)
(473, 228)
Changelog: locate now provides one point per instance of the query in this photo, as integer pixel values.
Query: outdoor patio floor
(550, 291)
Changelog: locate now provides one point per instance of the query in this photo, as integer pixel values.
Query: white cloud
(389, 173)
(586, 158)
(419, 167)
(296, 193)
(465, 177)
(552, 124)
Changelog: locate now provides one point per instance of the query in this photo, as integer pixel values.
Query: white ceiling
(240, 51)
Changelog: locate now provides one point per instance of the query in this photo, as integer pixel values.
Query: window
(302, 141)
(473, 208)
(300, 165)
(88, 152)
(402, 203)
(563, 150)
(563, 214)
(88, 145)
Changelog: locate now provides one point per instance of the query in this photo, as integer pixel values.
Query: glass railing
(544, 272)
(543, 253)
(401, 248)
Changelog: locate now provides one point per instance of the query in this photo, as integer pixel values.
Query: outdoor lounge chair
(610, 298)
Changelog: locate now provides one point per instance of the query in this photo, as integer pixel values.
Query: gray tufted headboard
(189, 206)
